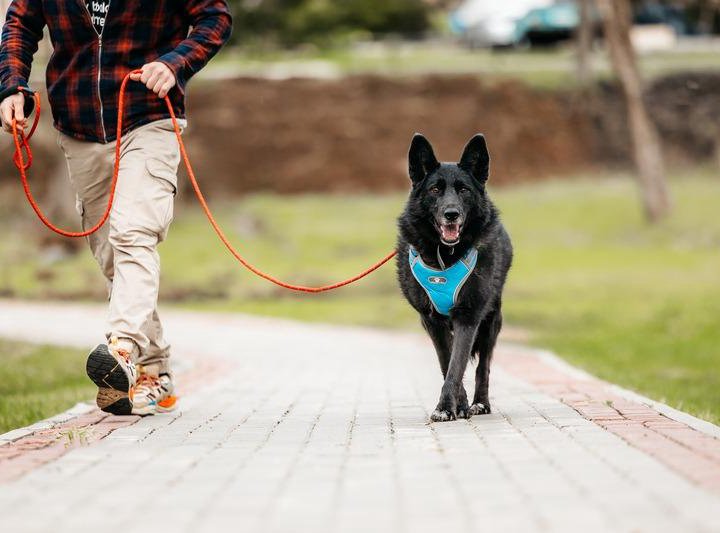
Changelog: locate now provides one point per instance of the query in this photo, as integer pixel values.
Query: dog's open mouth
(450, 234)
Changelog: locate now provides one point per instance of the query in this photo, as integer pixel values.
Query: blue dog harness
(443, 286)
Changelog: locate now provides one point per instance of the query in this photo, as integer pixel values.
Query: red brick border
(25, 454)
(19, 457)
(692, 453)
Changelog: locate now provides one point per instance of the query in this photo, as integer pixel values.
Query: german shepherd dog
(447, 217)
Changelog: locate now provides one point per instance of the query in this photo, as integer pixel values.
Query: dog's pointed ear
(476, 158)
(421, 159)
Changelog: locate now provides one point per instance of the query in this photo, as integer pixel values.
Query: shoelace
(147, 382)
(127, 356)
(122, 353)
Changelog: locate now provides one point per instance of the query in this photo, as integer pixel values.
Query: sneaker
(154, 394)
(111, 368)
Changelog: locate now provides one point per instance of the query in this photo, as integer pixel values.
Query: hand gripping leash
(22, 142)
(23, 165)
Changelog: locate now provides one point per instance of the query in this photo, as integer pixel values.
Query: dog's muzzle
(450, 233)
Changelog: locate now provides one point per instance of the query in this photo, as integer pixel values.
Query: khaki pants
(126, 247)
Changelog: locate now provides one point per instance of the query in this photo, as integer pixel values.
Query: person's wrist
(170, 71)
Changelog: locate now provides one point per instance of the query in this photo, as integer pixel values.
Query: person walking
(95, 44)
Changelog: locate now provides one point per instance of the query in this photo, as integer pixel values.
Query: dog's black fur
(447, 213)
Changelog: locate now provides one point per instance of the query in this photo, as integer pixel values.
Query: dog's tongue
(450, 232)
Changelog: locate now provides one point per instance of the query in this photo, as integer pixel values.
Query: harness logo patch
(437, 280)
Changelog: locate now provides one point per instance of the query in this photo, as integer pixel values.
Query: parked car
(491, 23)
(653, 13)
(548, 25)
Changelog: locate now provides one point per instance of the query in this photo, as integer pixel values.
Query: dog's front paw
(440, 415)
(463, 408)
(479, 409)
(446, 409)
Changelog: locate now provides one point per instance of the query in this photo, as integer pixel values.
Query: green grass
(540, 68)
(631, 303)
(39, 381)
(634, 304)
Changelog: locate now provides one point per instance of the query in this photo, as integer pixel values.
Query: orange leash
(22, 144)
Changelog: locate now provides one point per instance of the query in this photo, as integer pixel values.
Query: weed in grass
(77, 436)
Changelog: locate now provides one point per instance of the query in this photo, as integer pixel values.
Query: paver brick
(333, 435)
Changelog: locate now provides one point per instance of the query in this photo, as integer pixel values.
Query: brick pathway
(316, 428)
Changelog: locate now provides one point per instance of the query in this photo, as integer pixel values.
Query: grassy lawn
(541, 68)
(39, 381)
(634, 304)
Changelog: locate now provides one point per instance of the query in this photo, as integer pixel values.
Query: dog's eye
(435, 189)
(463, 190)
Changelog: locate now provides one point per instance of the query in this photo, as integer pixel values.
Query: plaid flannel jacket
(86, 69)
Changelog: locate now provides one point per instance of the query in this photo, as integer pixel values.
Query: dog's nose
(451, 215)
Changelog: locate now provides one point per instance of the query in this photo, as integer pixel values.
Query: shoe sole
(114, 391)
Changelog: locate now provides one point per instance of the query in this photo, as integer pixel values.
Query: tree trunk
(583, 45)
(647, 147)
(706, 18)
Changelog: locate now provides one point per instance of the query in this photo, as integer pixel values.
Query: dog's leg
(453, 398)
(439, 332)
(484, 346)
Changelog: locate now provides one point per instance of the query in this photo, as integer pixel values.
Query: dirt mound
(687, 111)
(352, 134)
(685, 108)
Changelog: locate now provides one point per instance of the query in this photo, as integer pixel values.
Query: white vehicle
(488, 23)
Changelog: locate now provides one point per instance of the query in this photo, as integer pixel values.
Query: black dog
(449, 220)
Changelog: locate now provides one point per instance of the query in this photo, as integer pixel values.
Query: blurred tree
(647, 150)
(584, 39)
(294, 22)
(403, 17)
(707, 15)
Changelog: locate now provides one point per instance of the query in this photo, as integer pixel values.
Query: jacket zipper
(99, 58)
(102, 118)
